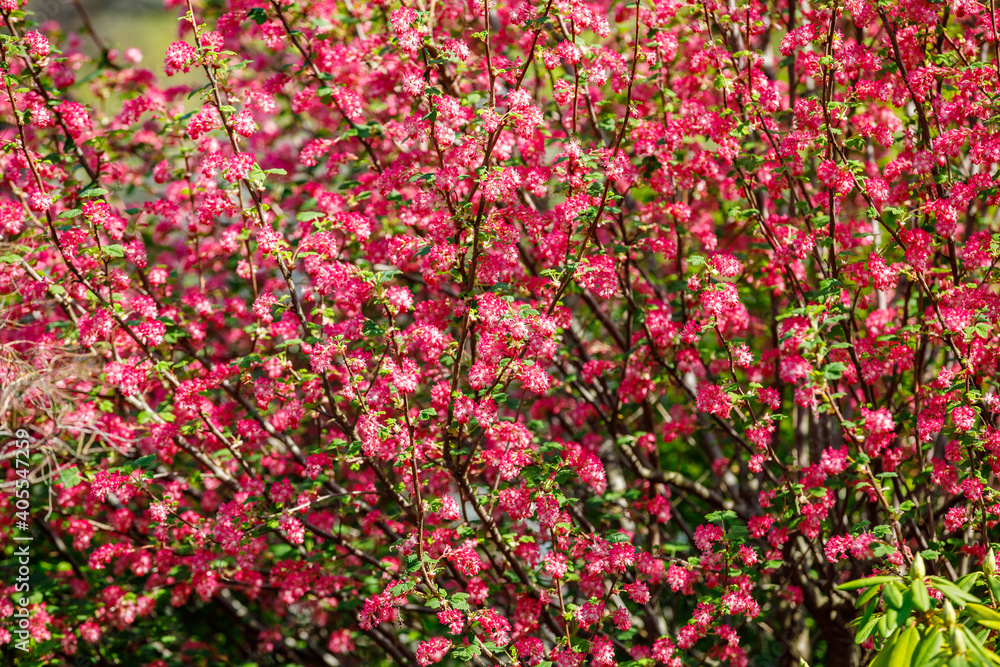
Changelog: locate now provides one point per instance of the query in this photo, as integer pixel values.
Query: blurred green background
(121, 24)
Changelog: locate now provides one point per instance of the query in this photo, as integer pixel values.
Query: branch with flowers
(503, 333)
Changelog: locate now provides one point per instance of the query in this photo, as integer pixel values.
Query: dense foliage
(516, 333)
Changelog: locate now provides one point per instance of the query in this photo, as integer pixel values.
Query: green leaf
(384, 276)
(968, 581)
(258, 15)
(976, 647)
(146, 462)
(867, 629)
(920, 597)
(869, 581)
(928, 648)
(834, 371)
(892, 596)
(93, 192)
(982, 613)
(867, 596)
(70, 477)
(400, 589)
(466, 653)
(957, 596)
(723, 515)
(857, 142)
(113, 250)
(72, 213)
(369, 328)
(993, 582)
(249, 360)
(902, 652)
(738, 534)
(412, 563)
(883, 657)
(904, 609)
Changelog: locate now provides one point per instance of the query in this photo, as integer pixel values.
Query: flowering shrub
(517, 333)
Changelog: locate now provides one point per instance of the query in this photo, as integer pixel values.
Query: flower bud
(990, 563)
(918, 570)
(957, 641)
(949, 612)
